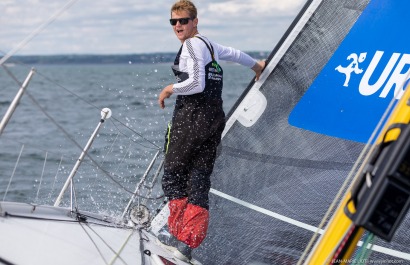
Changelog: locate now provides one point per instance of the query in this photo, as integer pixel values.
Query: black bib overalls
(197, 124)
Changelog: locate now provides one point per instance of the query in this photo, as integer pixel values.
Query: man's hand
(165, 93)
(258, 68)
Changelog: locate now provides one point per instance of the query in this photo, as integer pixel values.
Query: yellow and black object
(379, 199)
(382, 197)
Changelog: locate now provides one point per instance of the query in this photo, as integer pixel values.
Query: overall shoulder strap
(176, 61)
(211, 49)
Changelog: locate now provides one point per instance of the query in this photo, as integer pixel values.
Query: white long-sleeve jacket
(195, 56)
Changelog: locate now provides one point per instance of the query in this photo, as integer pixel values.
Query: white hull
(51, 235)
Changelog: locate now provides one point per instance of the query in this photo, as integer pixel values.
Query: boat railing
(138, 208)
(105, 114)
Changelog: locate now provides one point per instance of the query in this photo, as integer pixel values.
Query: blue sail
(368, 70)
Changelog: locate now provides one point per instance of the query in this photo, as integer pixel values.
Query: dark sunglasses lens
(182, 21)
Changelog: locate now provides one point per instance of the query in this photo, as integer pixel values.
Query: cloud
(140, 26)
(255, 7)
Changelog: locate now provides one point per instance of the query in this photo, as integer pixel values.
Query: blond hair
(185, 5)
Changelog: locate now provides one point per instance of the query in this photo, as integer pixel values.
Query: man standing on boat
(197, 124)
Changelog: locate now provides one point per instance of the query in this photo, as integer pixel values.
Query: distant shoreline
(106, 59)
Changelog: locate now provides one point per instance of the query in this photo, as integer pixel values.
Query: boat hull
(34, 234)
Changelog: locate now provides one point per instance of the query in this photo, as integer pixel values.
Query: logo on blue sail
(370, 68)
(353, 67)
(393, 77)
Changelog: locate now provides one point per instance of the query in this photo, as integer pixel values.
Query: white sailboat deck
(55, 235)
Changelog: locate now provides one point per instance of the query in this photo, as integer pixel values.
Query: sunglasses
(182, 21)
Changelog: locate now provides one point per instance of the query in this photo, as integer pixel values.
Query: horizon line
(112, 54)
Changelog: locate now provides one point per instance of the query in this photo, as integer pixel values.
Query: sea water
(60, 110)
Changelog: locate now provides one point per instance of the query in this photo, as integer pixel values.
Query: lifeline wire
(55, 177)
(104, 242)
(91, 104)
(92, 241)
(112, 118)
(41, 178)
(14, 171)
(107, 173)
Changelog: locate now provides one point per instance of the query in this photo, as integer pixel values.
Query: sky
(137, 26)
